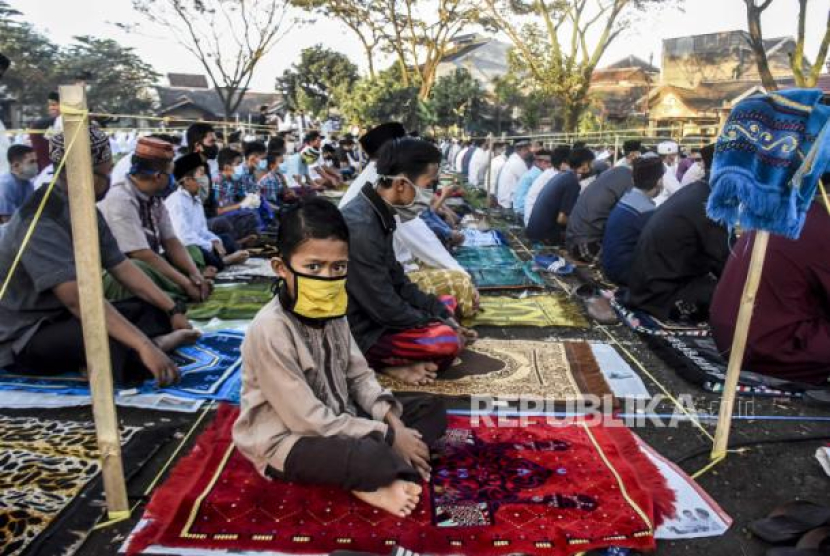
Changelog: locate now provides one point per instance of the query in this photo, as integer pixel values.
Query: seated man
(526, 181)
(142, 227)
(17, 186)
(790, 333)
(188, 216)
(679, 257)
(558, 163)
(402, 331)
(557, 199)
(586, 225)
(629, 217)
(40, 327)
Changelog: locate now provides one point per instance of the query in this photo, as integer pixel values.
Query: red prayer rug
(538, 489)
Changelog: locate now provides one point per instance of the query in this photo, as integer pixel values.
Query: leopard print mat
(44, 465)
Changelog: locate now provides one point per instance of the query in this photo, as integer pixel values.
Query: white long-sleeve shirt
(496, 165)
(459, 160)
(478, 167)
(414, 240)
(188, 217)
(513, 170)
(368, 175)
(535, 189)
(670, 185)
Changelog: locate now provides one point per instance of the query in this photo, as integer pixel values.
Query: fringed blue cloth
(768, 160)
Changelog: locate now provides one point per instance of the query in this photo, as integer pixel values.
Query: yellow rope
(124, 516)
(31, 230)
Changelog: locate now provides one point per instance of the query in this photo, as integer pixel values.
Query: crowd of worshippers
(642, 221)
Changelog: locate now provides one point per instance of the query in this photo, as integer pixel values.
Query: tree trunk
(756, 42)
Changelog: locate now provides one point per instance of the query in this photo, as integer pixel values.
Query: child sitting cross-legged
(312, 410)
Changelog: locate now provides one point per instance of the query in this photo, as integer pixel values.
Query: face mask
(210, 152)
(204, 187)
(263, 165)
(28, 171)
(319, 298)
(421, 203)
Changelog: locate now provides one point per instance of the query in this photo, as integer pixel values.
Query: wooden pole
(736, 356)
(90, 290)
(616, 147)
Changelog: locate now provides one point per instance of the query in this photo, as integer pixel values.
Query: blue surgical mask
(263, 165)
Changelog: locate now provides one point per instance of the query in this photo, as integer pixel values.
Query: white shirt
(513, 170)
(670, 185)
(188, 217)
(693, 174)
(4, 149)
(414, 240)
(536, 189)
(45, 176)
(478, 167)
(455, 148)
(459, 159)
(496, 166)
(122, 168)
(368, 175)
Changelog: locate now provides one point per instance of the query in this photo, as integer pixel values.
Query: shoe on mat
(817, 398)
(789, 522)
(599, 309)
(813, 543)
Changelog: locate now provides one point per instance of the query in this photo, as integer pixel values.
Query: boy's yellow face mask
(318, 297)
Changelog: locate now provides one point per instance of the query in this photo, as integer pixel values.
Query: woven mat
(556, 371)
(232, 302)
(532, 310)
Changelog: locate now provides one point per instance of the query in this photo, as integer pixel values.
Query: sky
(61, 20)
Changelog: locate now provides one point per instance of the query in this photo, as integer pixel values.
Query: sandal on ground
(814, 543)
(790, 522)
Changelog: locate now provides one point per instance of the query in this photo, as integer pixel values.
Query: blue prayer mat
(210, 370)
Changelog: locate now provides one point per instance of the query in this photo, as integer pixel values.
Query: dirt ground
(747, 485)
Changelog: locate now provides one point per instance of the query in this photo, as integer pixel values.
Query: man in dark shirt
(679, 257)
(789, 337)
(557, 199)
(40, 327)
(586, 225)
(403, 331)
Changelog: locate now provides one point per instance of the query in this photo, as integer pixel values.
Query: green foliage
(312, 84)
(119, 77)
(457, 100)
(374, 101)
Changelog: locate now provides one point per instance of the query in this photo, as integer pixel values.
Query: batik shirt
(271, 186)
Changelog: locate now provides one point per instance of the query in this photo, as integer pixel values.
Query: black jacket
(381, 298)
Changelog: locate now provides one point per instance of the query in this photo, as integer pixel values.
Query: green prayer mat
(520, 276)
(533, 310)
(232, 302)
(473, 258)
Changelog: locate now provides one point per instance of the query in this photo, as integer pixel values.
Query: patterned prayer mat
(232, 302)
(211, 369)
(557, 371)
(533, 310)
(252, 268)
(534, 489)
(644, 323)
(477, 238)
(44, 465)
(698, 361)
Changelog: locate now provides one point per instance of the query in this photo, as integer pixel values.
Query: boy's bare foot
(177, 338)
(400, 498)
(236, 258)
(417, 374)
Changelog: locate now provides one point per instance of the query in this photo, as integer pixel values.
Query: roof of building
(707, 96)
(618, 76)
(188, 80)
(208, 100)
(718, 43)
(632, 61)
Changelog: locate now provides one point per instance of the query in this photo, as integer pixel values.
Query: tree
(419, 33)
(558, 57)
(805, 74)
(33, 60)
(373, 101)
(312, 83)
(358, 15)
(120, 79)
(228, 37)
(457, 100)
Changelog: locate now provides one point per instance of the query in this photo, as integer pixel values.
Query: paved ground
(747, 485)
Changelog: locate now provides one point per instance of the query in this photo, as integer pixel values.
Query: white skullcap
(667, 147)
